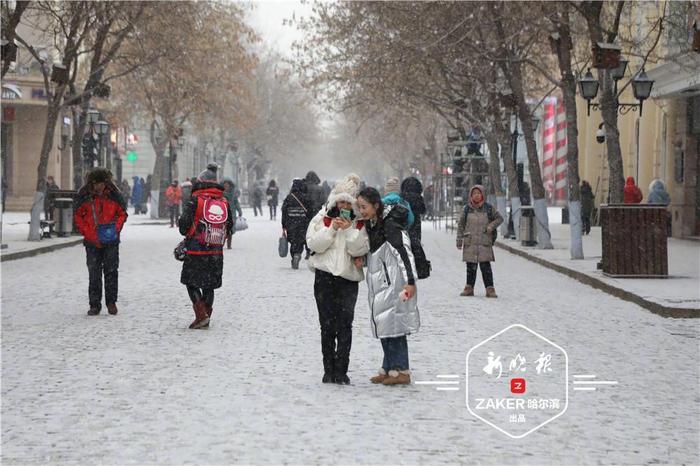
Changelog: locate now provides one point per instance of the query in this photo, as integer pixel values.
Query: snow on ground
(142, 388)
(681, 289)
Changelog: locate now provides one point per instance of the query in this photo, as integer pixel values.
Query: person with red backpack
(100, 213)
(206, 222)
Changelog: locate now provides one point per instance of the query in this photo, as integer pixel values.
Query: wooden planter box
(634, 240)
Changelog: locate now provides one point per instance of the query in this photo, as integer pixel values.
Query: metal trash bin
(527, 226)
(64, 207)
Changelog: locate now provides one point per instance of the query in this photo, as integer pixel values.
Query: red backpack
(212, 214)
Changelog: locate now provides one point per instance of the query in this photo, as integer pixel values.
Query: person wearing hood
(206, 222)
(658, 193)
(296, 213)
(339, 241)
(391, 284)
(587, 206)
(632, 193)
(314, 191)
(100, 214)
(392, 188)
(475, 237)
(273, 194)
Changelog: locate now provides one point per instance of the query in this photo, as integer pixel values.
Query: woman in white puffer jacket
(338, 241)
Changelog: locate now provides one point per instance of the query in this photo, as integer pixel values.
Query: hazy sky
(267, 18)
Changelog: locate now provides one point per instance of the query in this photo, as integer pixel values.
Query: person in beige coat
(476, 234)
(338, 241)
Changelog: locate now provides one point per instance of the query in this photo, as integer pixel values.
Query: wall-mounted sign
(38, 93)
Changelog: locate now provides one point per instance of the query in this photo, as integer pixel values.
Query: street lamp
(589, 88)
(641, 86)
(102, 127)
(619, 72)
(93, 116)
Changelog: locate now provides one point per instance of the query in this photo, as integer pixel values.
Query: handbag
(283, 247)
(241, 224)
(106, 232)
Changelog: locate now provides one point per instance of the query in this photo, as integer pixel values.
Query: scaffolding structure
(463, 164)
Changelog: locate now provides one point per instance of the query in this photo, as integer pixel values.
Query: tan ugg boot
(380, 377)
(491, 292)
(201, 318)
(468, 291)
(398, 378)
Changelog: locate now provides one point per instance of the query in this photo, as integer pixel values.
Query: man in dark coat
(314, 192)
(204, 266)
(99, 206)
(587, 205)
(296, 215)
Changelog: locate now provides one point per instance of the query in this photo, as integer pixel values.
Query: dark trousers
(174, 214)
(104, 260)
(199, 294)
(273, 211)
(257, 206)
(335, 299)
(486, 273)
(296, 243)
(586, 224)
(395, 354)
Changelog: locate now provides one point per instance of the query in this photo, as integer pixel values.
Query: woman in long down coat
(391, 283)
(206, 222)
(339, 241)
(475, 237)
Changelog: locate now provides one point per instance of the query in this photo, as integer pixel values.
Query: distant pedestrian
(475, 237)
(659, 195)
(273, 194)
(314, 192)
(173, 197)
(257, 199)
(206, 222)
(100, 213)
(587, 206)
(234, 205)
(632, 193)
(296, 214)
(49, 200)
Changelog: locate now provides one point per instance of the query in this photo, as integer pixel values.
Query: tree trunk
(612, 139)
(569, 92)
(544, 237)
(38, 204)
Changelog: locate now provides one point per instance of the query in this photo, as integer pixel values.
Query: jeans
(273, 211)
(335, 300)
(257, 206)
(395, 353)
(102, 261)
(486, 273)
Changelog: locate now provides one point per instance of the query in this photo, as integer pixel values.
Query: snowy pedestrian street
(141, 388)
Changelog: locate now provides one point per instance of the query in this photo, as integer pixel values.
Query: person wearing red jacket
(173, 197)
(100, 213)
(632, 194)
